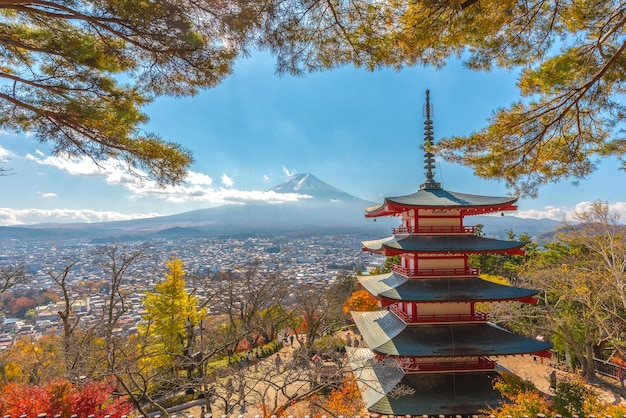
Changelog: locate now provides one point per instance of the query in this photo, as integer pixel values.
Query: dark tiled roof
(385, 333)
(454, 289)
(447, 394)
(441, 243)
(432, 394)
(440, 198)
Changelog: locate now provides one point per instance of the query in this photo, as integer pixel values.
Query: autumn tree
(171, 314)
(34, 361)
(345, 400)
(321, 309)
(65, 65)
(572, 397)
(73, 344)
(93, 398)
(570, 55)
(581, 281)
(254, 303)
(11, 275)
(505, 265)
(118, 262)
(300, 381)
(77, 74)
(361, 300)
(19, 306)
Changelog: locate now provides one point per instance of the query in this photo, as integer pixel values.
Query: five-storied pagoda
(429, 350)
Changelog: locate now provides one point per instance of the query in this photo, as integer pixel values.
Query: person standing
(553, 380)
(278, 361)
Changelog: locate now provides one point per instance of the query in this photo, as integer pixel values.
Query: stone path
(537, 370)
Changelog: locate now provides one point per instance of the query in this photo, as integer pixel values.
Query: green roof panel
(387, 334)
(441, 244)
(454, 289)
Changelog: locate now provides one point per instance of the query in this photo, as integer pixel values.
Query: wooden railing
(470, 230)
(405, 271)
(475, 317)
(409, 365)
(400, 313)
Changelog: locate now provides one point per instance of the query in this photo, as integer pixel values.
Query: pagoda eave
(456, 244)
(393, 288)
(440, 199)
(387, 334)
(490, 209)
(388, 300)
(390, 252)
(388, 209)
(431, 394)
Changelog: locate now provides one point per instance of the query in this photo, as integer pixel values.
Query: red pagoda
(429, 350)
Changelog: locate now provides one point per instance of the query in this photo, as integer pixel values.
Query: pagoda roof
(385, 333)
(441, 244)
(438, 198)
(433, 394)
(454, 289)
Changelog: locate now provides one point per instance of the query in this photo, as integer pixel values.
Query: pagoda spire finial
(429, 157)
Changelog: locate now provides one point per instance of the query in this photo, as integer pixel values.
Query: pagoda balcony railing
(400, 313)
(470, 230)
(408, 272)
(421, 319)
(409, 365)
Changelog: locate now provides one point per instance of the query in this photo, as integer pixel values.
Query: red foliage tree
(96, 398)
(17, 399)
(19, 306)
(64, 398)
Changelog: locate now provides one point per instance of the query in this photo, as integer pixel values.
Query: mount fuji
(322, 209)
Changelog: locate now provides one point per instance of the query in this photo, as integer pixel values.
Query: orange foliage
(345, 400)
(524, 404)
(361, 300)
(267, 412)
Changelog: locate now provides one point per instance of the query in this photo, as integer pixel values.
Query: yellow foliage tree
(30, 360)
(172, 312)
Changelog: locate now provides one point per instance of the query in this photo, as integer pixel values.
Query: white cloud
(196, 188)
(49, 195)
(113, 171)
(227, 181)
(567, 214)
(549, 212)
(288, 172)
(198, 178)
(5, 153)
(266, 178)
(196, 193)
(10, 216)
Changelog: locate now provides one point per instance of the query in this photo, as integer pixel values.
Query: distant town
(302, 258)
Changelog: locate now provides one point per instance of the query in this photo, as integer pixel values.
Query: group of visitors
(353, 342)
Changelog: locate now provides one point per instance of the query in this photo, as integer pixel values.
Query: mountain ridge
(325, 208)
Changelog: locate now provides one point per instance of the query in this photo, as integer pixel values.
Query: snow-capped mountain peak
(310, 185)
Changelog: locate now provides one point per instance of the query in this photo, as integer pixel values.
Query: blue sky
(359, 131)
